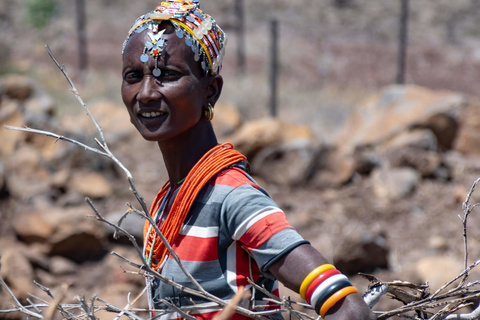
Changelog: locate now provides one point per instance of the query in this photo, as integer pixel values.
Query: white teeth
(150, 114)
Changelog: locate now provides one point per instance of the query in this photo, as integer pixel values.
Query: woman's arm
(292, 269)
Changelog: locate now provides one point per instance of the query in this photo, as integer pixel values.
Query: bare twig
(44, 289)
(467, 209)
(130, 304)
(57, 137)
(111, 308)
(19, 305)
(77, 95)
(452, 300)
(178, 310)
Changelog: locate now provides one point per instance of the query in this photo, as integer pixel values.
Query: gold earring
(208, 113)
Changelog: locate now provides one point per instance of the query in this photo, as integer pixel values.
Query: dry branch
(424, 306)
(147, 270)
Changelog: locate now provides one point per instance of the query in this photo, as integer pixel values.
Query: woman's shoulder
(234, 176)
(232, 182)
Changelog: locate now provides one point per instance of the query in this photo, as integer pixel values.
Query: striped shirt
(233, 232)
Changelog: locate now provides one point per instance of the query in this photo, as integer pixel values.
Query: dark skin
(169, 110)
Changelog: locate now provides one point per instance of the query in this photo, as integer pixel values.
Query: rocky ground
(383, 201)
(373, 175)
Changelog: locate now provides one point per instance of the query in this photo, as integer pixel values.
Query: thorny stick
(58, 137)
(20, 306)
(110, 308)
(177, 309)
(130, 304)
(467, 209)
(77, 95)
(44, 289)
(108, 154)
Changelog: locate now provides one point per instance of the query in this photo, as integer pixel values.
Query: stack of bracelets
(324, 287)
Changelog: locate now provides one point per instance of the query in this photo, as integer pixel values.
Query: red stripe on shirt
(190, 248)
(263, 229)
(233, 177)
(245, 267)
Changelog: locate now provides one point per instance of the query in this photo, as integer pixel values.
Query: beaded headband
(200, 31)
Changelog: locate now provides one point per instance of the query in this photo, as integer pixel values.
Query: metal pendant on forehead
(144, 58)
(156, 72)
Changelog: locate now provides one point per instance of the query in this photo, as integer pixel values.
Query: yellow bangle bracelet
(311, 276)
(337, 296)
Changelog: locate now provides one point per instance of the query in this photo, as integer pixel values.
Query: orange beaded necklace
(214, 161)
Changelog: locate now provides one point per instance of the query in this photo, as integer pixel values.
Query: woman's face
(168, 105)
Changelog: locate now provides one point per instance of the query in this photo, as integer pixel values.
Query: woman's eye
(169, 74)
(132, 77)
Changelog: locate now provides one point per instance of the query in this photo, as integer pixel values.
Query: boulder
(10, 115)
(112, 118)
(39, 112)
(32, 226)
(333, 169)
(279, 152)
(16, 270)
(62, 266)
(426, 163)
(291, 164)
(132, 223)
(398, 108)
(17, 87)
(468, 140)
(390, 184)
(439, 269)
(256, 135)
(90, 184)
(362, 251)
(64, 232)
(76, 236)
(422, 139)
(27, 177)
(226, 120)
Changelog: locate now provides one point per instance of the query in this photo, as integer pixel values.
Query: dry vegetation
(331, 58)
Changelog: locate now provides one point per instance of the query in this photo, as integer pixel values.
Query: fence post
(273, 66)
(240, 36)
(82, 34)
(402, 42)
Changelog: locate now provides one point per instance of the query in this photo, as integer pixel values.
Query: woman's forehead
(173, 45)
(176, 51)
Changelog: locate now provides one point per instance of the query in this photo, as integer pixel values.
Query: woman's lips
(152, 117)
(151, 114)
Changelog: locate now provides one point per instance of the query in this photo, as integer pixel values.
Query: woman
(222, 225)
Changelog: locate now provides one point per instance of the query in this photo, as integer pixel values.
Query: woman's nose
(148, 90)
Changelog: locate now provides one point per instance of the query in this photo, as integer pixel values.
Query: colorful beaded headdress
(199, 30)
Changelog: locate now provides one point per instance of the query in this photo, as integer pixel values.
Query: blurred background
(331, 53)
(359, 117)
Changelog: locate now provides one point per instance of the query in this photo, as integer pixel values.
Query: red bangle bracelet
(317, 281)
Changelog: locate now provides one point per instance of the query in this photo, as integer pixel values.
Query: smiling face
(166, 106)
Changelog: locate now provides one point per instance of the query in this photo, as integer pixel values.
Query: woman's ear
(214, 88)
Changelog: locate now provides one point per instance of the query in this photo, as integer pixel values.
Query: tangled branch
(144, 269)
(418, 302)
(416, 298)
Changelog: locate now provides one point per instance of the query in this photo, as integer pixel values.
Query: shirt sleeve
(254, 219)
